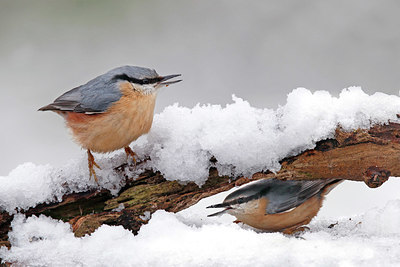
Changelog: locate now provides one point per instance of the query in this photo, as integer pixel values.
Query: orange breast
(122, 123)
(78, 118)
(256, 215)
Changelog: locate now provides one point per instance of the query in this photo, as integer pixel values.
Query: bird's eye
(145, 81)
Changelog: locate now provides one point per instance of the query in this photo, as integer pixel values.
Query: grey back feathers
(282, 195)
(97, 95)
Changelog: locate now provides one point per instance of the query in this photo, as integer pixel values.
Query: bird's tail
(48, 107)
(332, 184)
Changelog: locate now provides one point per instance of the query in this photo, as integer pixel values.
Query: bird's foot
(129, 152)
(92, 164)
(295, 231)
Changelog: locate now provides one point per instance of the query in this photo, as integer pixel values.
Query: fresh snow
(245, 139)
(180, 144)
(189, 238)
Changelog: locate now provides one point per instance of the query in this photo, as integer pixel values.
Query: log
(370, 156)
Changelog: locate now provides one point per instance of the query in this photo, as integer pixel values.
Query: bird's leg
(91, 164)
(129, 152)
(295, 230)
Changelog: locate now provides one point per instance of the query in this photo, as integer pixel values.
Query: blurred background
(258, 50)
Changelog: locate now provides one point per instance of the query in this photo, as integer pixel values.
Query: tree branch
(362, 155)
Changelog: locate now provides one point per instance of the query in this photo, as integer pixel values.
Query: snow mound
(169, 240)
(245, 139)
(30, 184)
(181, 142)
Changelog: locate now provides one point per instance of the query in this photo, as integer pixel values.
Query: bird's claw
(296, 230)
(129, 152)
(92, 164)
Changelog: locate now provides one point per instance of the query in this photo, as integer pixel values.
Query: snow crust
(243, 139)
(189, 238)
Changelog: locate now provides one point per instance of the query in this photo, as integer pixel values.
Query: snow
(180, 144)
(243, 139)
(30, 184)
(189, 238)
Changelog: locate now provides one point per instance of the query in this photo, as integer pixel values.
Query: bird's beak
(164, 80)
(219, 212)
(222, 205)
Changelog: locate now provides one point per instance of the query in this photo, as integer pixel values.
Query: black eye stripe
(137, 81)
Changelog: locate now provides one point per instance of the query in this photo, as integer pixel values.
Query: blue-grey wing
(282, 195)
(94, 97)
(99, 94)
(286, 195)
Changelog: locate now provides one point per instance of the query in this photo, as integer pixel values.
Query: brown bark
(362, 155)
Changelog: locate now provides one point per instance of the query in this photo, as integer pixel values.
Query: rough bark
(361, 155)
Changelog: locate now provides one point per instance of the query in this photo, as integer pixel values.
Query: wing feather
(286, 195)
(94, 97)
(282, 195)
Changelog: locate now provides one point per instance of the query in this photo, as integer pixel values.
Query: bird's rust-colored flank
(123, 123)
(285, 221)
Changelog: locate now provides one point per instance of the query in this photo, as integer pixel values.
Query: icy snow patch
(169, 240)
(181, 142)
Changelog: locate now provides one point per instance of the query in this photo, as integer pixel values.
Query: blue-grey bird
(276, 205)
(112, 110)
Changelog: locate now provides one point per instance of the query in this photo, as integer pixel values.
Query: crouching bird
(112, 110)
(276, 205)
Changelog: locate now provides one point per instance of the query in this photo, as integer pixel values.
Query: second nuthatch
(276, 205)
(112, 110)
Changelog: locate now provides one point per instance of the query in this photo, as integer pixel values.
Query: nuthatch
(112, 110)
(276, 205)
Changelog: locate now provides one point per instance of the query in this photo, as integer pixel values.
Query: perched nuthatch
(276, 205)
(112, 110)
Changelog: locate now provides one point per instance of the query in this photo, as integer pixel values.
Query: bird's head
(244, 200)
(238, 202)
(143, 80)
